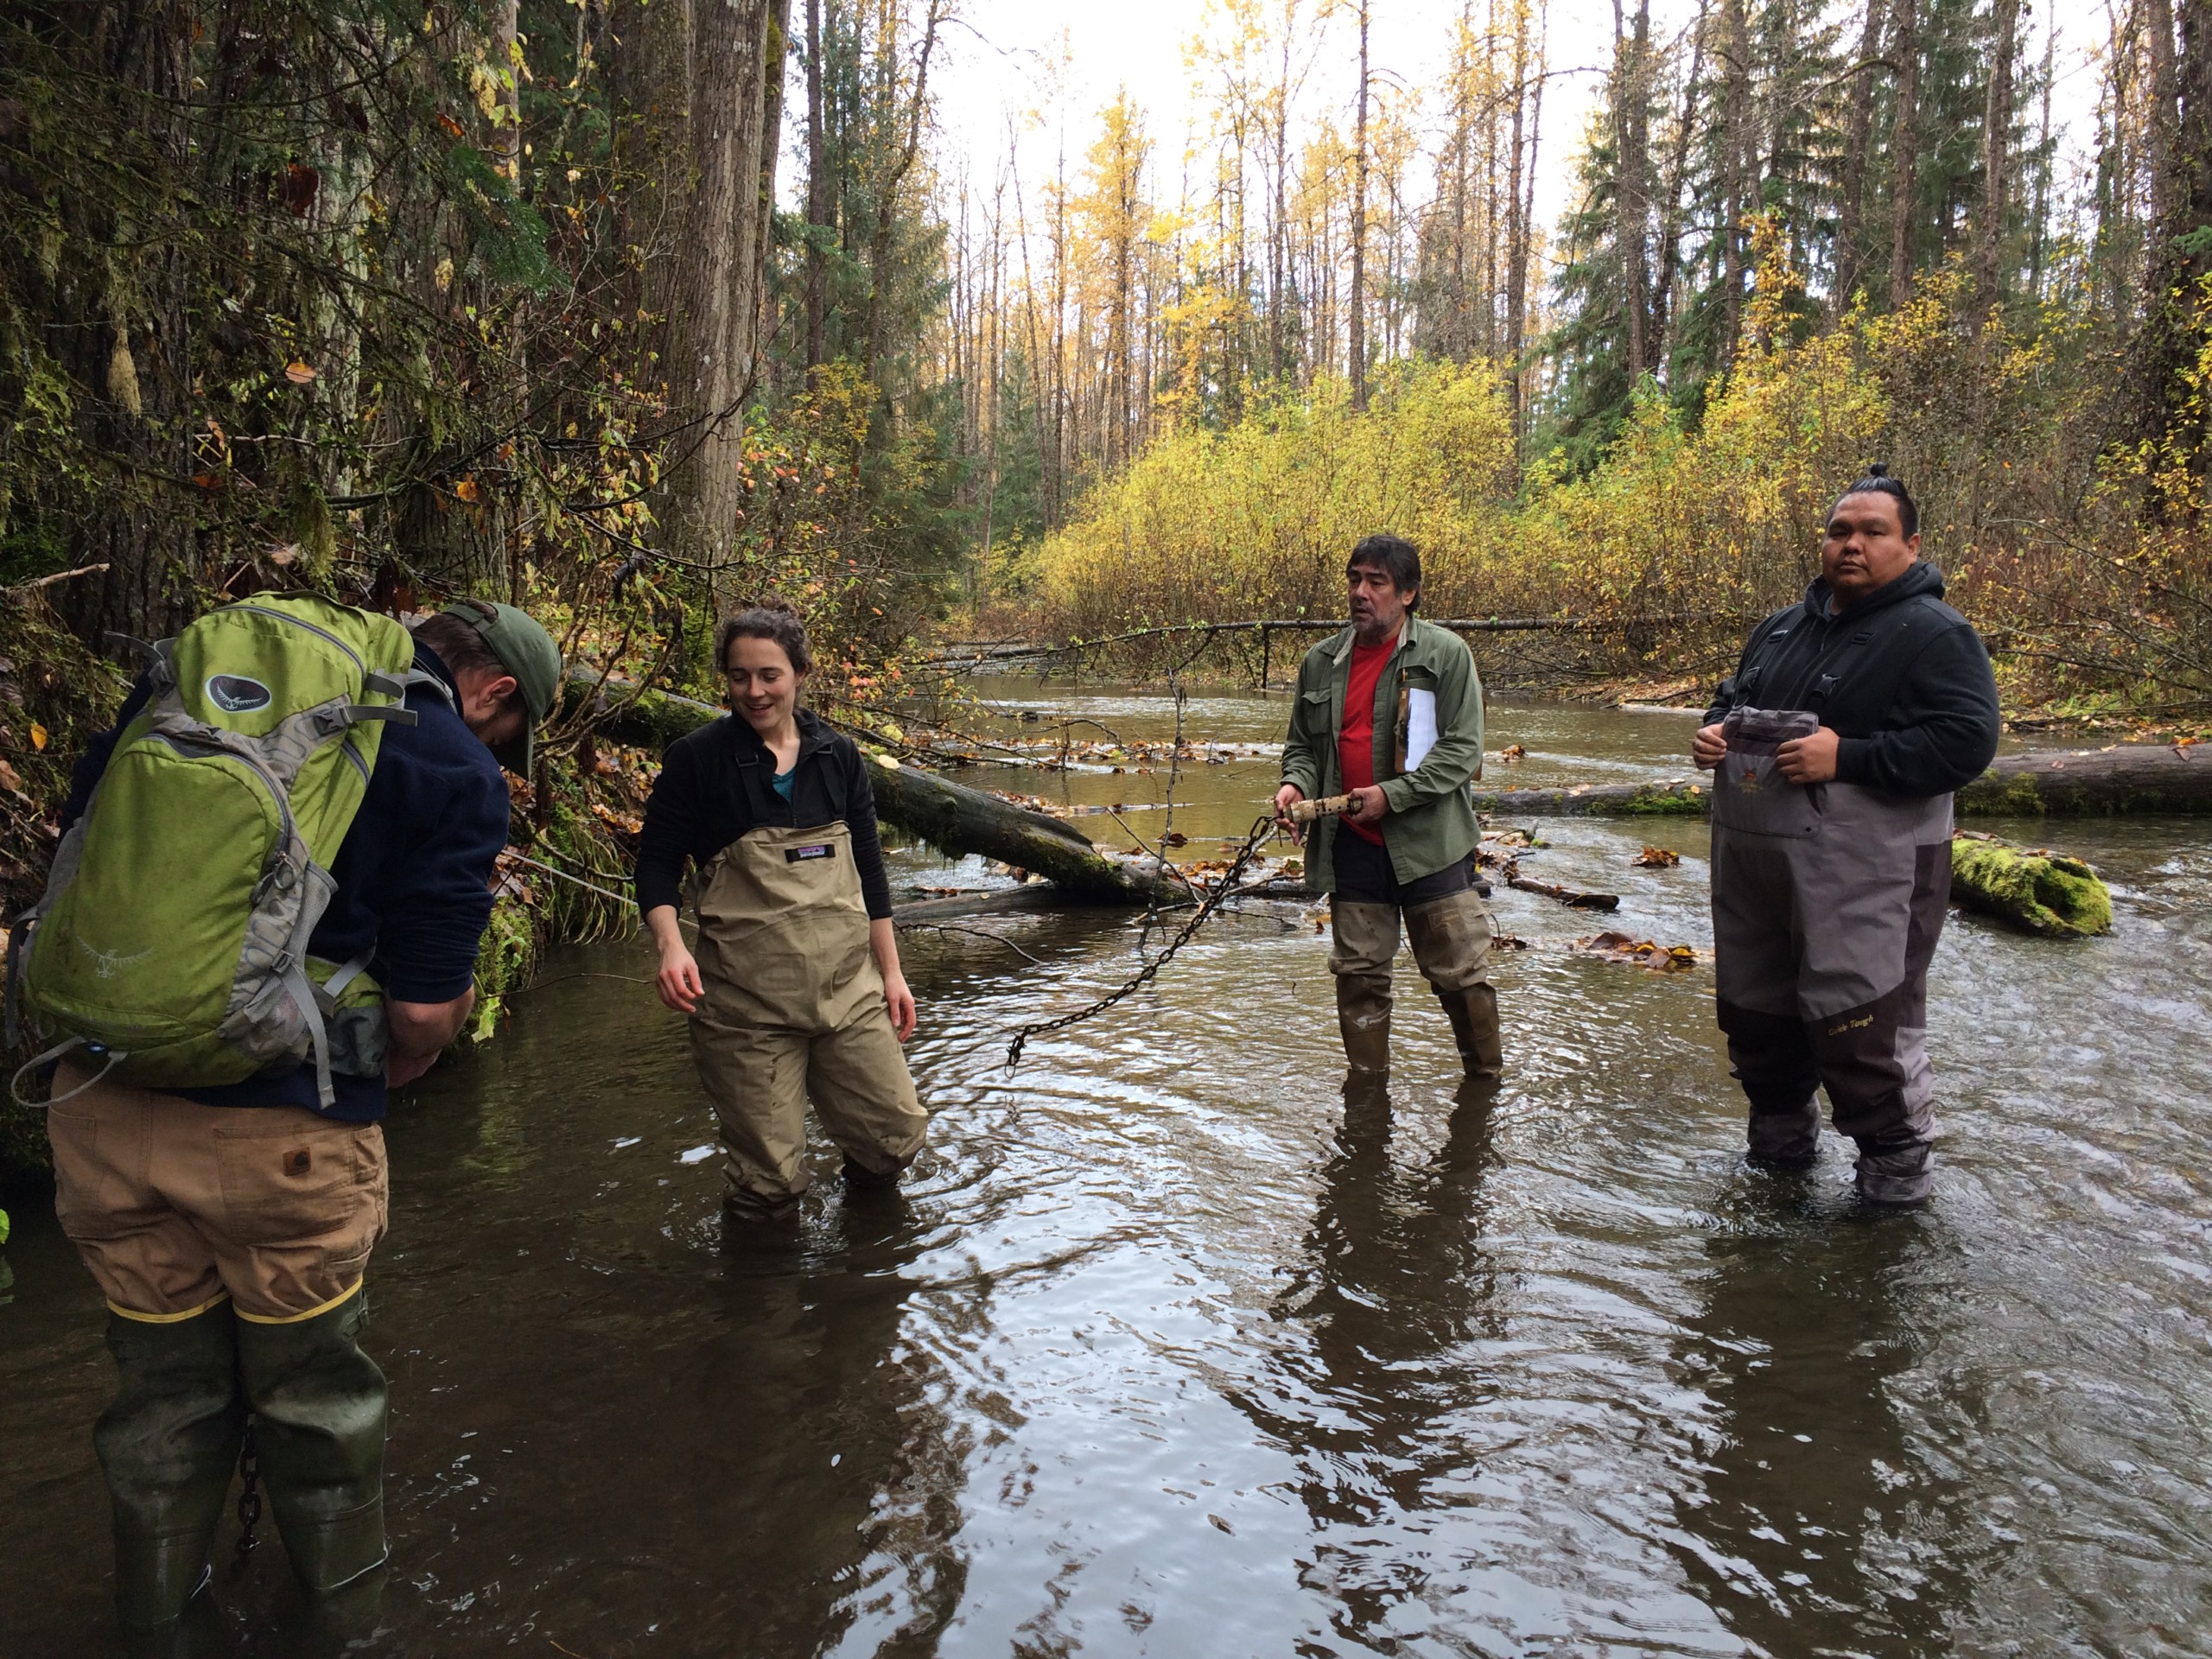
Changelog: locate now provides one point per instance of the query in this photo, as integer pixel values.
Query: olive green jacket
(1432, 820)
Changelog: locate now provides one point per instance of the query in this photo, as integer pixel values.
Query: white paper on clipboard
(1420, 725)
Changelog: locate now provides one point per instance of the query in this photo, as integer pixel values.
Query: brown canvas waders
(1827, 900)
(230, 1243)
(794, 1011)
(1449, 929)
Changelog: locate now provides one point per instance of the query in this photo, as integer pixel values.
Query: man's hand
(1807, 759)
(418, 1032)
(1369, 805)
(1709, 747)
(1285, 798)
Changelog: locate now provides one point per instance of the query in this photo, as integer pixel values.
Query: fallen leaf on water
(1657, 858)
(1508, 942)
(298, 372)
(1640, 953)
(1511, 753)
(1174, 838)
(38, 737)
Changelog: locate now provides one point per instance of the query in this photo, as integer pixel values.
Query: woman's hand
(678, 980)
(900, 1001)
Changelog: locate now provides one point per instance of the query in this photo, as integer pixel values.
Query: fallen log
(949, 816)
(2126, 779)
(2044, 893)
(2133, 778)
(1573, 897)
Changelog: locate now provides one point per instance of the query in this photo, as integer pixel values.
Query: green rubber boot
(169, 1444)
(320, 1405)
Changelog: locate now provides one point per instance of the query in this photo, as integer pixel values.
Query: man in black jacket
(1851, 718)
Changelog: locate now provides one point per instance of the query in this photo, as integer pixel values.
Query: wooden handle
(1328, 807)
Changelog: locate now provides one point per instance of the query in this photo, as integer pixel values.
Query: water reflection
(1819, 1509)
(1396, 1276)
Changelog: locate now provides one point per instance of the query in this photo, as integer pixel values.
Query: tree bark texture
(1849, 256)
(714, 309)
(1904, 154)
(129, 336)
(1996, 151)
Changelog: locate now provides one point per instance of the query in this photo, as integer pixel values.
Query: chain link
(249, 1498)
(1262, 828)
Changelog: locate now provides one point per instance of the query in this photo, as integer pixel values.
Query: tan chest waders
(794, 1011)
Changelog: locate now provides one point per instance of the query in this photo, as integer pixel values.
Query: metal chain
(1262, 828)
(249, 1498)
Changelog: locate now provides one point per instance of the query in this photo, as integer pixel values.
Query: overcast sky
(998, 68)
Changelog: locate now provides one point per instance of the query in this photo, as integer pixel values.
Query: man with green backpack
(264, 912)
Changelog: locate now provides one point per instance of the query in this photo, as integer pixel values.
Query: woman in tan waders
(796, 993)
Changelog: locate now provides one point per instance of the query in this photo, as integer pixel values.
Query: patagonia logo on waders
(819, 849)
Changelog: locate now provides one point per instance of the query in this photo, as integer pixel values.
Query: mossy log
(2140, 779)
(2043, 892)
(2129, 779)
(949, 816)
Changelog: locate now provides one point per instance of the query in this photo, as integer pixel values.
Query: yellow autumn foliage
(1683, 534)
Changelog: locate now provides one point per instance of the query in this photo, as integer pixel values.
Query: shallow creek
(1171, 1348)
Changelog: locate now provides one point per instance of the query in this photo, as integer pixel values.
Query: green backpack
(171, 943)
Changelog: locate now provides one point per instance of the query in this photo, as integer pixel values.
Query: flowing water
(1171, 1348)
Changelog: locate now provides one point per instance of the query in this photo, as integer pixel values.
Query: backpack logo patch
(234, 694)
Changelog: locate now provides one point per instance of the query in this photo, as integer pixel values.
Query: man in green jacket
(1389, 712)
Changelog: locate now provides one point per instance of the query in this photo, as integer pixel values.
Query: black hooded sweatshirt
(1901, 677)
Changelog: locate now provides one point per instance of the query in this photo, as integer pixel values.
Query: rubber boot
(169, 1444)
(1786, 1140)
(1363, 1019)
(1896, 1170)
(859, 1178)
(1473, 1015)
(320, 1405)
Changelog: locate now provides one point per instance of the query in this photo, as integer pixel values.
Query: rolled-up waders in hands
(1328, 806)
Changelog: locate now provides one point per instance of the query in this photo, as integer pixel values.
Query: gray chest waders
(1827, 900)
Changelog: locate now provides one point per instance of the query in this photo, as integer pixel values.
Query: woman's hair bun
(1879, 469)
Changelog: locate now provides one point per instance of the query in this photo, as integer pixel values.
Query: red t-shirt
(1356, 735)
